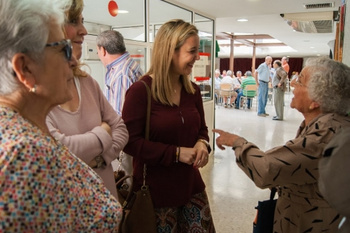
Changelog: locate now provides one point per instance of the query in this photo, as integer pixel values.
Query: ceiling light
(122, 12)
(242, 20)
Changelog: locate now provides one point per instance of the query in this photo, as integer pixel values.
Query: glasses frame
(297, 81)
(68, 48)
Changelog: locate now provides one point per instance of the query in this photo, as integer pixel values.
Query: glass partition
(202, 71)
(161, 12)
(138, 52)
(130, 21)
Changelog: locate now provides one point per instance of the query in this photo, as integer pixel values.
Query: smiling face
(75, 31)
(185, 56)
(301, 100)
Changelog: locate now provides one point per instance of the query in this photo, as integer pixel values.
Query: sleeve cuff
(104, 137)
(239, 143)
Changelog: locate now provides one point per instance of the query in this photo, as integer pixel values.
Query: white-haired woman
(178, 139)
(322, 95)
(43, 187)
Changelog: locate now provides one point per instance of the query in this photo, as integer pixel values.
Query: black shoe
(236, 107)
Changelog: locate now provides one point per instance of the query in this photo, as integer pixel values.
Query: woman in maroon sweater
(178, 139)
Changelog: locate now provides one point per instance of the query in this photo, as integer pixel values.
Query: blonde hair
(170, 37)
(72, 15)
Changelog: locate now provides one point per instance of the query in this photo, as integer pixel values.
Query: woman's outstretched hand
(225, 138)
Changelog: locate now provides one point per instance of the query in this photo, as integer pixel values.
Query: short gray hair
(329, 84)
(24, 28)
(112, 41)
(229, 73)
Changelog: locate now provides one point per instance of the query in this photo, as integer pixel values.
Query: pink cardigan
(81, 132)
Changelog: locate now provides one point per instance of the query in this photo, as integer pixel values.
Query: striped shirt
(121, 74)
(248, 81)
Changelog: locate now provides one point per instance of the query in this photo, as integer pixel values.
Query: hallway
(232, 194)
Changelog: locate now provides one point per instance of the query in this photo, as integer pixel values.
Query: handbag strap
(148, 116)
(273, 192)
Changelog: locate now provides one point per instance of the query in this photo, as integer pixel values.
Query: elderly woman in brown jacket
(322, 95)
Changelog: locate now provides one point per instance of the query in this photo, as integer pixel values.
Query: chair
(226, 92)
(244, 98)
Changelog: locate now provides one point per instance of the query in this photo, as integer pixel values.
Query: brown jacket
(293, 168)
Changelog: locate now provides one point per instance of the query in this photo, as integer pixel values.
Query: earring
(311, 107)
(33, 89)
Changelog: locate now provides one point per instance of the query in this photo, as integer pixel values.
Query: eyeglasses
(67, 47)
(297, 81)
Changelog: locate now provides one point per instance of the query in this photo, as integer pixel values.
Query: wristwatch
(97, 162)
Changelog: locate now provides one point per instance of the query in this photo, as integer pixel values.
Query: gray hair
(278, 62)
(112, 41)
(24, 28)
(329, 84)
(217, 71)
(248, 73)
(229, 73)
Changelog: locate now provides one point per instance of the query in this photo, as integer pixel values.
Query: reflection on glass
(161, 12)
(138, 53)
(131, 25)
(202, 71)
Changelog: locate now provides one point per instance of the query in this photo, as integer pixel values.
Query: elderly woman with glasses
(43, 187)
(322, 95)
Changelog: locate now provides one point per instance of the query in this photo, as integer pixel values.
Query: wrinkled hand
(225, 138)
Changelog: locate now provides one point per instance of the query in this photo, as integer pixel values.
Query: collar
(118, 60)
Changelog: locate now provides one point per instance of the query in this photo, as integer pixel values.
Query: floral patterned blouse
(45, 188)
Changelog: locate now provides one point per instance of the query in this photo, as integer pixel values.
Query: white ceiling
(263, 18)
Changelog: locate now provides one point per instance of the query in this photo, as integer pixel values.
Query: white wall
(346, 46)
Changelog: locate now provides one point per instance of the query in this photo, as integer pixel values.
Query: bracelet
(177, 154)
(205, 143)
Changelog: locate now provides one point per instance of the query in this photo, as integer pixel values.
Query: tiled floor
(232, 194)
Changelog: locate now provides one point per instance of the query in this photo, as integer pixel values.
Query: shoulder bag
(263, 222)
(138, 210)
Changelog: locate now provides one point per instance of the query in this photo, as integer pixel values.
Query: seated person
(249, 80)
(217, 85)
(228, 93)
(238, 81)
(239, 76)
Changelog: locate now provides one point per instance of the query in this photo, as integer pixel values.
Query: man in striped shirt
(122, 69)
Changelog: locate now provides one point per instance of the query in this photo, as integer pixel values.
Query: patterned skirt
(194, 217)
